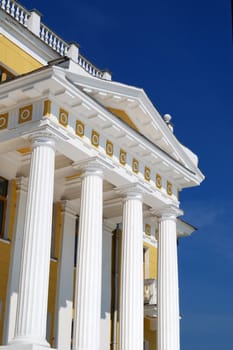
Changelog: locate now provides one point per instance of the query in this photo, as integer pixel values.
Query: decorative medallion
(3, 121)
(47, 108)
(25, 114)
(80, 129)
(148, 229)
(135, 165)
(63, 117)
(158, 181)
(109, 148)
(147, 173)
(169, 188)
(122, 157)
(95, 137)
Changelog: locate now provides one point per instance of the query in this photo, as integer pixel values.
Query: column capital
(68, 208)
(43, 139)
(132, 191)
(109, 226)
(92, 166)
(167, 213)
(21, 184)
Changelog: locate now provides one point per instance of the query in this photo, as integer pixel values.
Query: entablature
(47, 95)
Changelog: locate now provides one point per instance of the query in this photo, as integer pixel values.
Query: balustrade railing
(21, 15)
(53, 40)
(15, 10)
(89, 67)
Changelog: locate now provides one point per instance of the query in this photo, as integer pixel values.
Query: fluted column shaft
(35, 260)
(64, 304)
(168, 292)
(131, 282)
(13, 282)
(105, 321)
(88, 276)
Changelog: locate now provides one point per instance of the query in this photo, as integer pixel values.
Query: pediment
(133, 107)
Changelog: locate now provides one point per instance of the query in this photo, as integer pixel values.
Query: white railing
(89, 67)
(150, 291)
(15, 10)
(21, 15)
(53, 40)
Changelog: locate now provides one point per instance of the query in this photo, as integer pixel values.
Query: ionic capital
(167, 213)
(92, 166)
(132, 191)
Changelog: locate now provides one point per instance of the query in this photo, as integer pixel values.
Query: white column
(105, 322)
(168, 292)
(88, 275)
(13, 282)
(35, 260)
(65, 280)
(131, 282)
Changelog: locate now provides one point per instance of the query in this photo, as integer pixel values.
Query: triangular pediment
(134, 108)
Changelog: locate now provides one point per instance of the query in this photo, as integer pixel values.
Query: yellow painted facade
(149, 335)
(5, 254)
(152, 260)
(15, 59)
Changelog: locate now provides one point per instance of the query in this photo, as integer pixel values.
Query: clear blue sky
(180, 52)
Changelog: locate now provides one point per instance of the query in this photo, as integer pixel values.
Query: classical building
(90, 176)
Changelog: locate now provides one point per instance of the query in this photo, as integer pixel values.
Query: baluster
(13, 10)
(25, 20)
(46, 36)
(3, 4)
(50, 39)
(42, 33)
(58, 46)
(21, 17)
(62, 49)
(8, 6)
(54, 43)
(17, 13)
(65, 52)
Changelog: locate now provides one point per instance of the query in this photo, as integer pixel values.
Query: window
(5, 75)
(3, 202)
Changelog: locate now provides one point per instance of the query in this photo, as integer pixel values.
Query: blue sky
(180, 52)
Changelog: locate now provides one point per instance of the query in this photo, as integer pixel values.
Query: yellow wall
(5, 253)
(150, 335)
(15, 59)
(152, 260)
(53, 275)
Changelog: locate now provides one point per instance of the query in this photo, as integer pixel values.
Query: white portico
(102, 149)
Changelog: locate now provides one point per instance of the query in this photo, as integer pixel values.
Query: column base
(23, 346)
